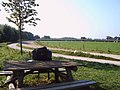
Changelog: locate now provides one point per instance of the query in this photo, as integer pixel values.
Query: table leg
(56, 75)
(69, 74)
(14, 76)
(20, 78)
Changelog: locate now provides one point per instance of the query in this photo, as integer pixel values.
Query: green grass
(25, 47)
(11, 54)
(101, 47)
(107, 76)
(84, 55)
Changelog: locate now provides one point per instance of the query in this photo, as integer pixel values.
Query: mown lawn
(101, 47)
(107, 76)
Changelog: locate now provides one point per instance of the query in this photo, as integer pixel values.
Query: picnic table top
(33, 65)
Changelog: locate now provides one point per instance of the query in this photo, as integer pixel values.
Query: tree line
(10, 34)
(108, 39)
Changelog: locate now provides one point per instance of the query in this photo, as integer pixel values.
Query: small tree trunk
(21, 41)
(20, 29)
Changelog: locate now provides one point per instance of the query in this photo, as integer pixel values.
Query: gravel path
(30, 44)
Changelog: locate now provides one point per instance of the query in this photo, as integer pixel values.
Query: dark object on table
(42, 54)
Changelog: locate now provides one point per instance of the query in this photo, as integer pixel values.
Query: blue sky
(76, 18)
(104, 14)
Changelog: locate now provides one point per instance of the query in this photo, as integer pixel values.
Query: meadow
(101, 47)
(106, 76)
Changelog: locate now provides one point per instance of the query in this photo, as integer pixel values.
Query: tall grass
(7, 53)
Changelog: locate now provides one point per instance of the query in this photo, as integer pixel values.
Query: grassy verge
(24, 46)
(84, 55)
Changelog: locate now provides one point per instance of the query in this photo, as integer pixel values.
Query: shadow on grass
(96, 65)
(106, 75)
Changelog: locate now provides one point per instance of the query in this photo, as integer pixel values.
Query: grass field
(107, 76)
(101, 47)
(82, 54)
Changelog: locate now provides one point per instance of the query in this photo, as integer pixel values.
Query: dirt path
(30, 44)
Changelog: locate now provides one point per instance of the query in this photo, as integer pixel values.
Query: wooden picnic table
(19, 67)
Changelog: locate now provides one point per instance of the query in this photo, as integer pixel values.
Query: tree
(21, 12)
(36, 37)
(27, 36)
(83, 38)
(109, 38)
(46, 37)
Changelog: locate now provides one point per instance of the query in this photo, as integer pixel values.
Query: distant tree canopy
(37, 37)
(109, 38)
(10, 34)
(46, 37)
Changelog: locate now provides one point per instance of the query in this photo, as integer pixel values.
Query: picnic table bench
(71, 85)
(6, 73)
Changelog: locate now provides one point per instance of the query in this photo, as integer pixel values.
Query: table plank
(15, 65)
